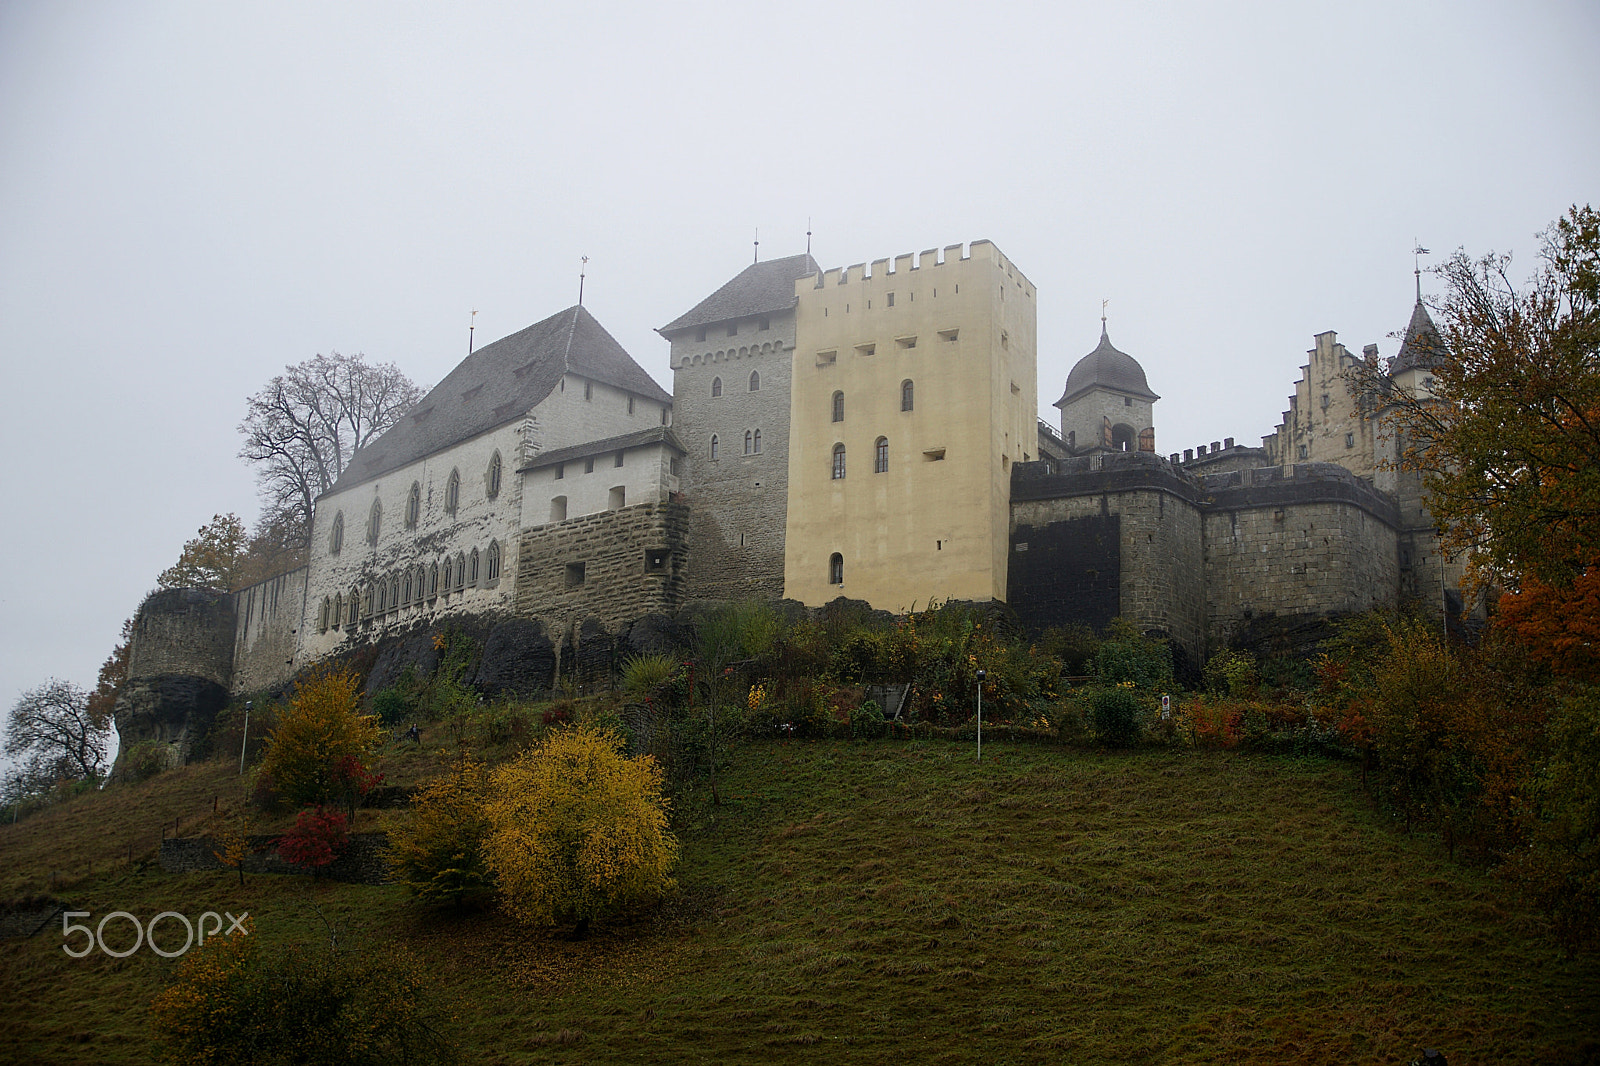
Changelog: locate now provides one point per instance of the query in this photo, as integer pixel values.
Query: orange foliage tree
(1557, 626)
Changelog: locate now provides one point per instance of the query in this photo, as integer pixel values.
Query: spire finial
(808, 234)
(582, 269)
(1417, 252)
(1103, 316)
(758, 245)
(472, 323)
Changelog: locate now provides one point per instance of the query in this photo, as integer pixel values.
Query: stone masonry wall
(1303, 540)
(612, 567)
(266, 630)
(364, 860)
(1162, 579)
(183, 632)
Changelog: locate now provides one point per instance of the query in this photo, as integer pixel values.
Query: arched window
(880, 456)
(755, 381)
(380, 598)
(716, 386)
(836, 569)
(449, 573)
(494, 562)
(472, 568)
(353, 607)
(420, 589)
(394, 592)
(492, 479)
(338, 609)
(838, 407)
(758, 442)
(838, 462)
(374, 521)
(405, 589)
(713, 445)
(336, 540)
(452, 492)
(749, 439)
(433, 580)
(367, 602)
(413, 505)
(327, 608)
(906, 395)
(461, 571)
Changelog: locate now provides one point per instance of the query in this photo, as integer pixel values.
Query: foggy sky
(194, 195)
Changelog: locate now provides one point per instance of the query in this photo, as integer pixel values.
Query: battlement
(904, 266)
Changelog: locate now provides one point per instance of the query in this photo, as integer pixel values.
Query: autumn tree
(113, 672)
(1508, 437)
(579, 830)
(212, 559)
(319, 836)
(53, 732)
(317, 731)
(439, 853)
(302, 428)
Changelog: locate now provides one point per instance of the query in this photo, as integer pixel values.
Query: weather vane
(581, 269)
(758, 245)
(1103, 313)
(1417, 252)
(472, 323)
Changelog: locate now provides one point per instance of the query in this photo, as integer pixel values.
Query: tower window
(558, 513)
(749, 439)
(838, 407)
(588, 465)
(618, 461)
(452, 492)
(1127, 401)
(755, 381)
(907, 395)
(336, 541)
(836, 569)
(492, 479)
(716, 387)
(838, 462)
(1349, 440)
(374, 521)
(588, 390)
(713, 445)
(413, 505)
(880, 460)
(757, 448)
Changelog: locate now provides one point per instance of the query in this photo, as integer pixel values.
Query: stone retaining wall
(363, 862)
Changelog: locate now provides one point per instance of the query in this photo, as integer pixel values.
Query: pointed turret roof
(758, 289)
(1423, 346)
(1106, 368)
(500, 383)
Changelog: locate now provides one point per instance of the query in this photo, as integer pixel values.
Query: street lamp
(245, 743)
(981, 675)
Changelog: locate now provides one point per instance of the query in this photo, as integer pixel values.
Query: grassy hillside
(862, 902)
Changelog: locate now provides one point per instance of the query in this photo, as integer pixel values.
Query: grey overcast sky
(193, 195)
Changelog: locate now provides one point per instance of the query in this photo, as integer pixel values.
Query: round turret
(1107, 402)
(1106, 368)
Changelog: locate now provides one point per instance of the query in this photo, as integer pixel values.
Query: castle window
(1304, 451)
(413, 505)
(905, 342)
(827, 358)
(493, 564)
(1126, 401)
(353, 607)
(700, 334)
(1349, 440)
(327, 608)
(338, 609)
(713, 445)
(472, 568)
(433, 580)
(588, 390)
(880, 456)
(838, 462)
(755, 381)
(866, 349)
(588, 465)
(492, 479)
(663, 416)
(716, 387)
(374, 600)
(907, 395)
(452, 492)
(336, 541)
(561, 471)
(836, 569)
(838, 407)
(733, 329)
(618, 498)
(449, 573)
(618, 461)
(374, 521)
(757, 448)
(630, 405)
(558, 509)
(574, 575)
(405, 590)
(461, 571)
(749, 439)
(891, 299)
(948, 334)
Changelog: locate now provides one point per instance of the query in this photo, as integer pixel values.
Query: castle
(868, 432)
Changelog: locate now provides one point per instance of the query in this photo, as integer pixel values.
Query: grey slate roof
(1422, 347)
(758, 289)
(658, 435)
(1109, 369)
(500, 383)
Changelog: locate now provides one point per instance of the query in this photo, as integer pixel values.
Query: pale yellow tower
(913, 392)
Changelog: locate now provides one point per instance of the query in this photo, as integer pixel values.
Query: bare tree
(303, 427)
(53, 731)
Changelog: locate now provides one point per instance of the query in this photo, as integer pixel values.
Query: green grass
(867, 902)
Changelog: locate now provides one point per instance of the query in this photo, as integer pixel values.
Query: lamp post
(245, 743)
(981, 675)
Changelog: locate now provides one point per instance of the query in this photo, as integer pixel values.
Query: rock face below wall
(174, 711)
(517, 657)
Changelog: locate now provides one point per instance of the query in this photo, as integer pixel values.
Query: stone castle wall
(611, 567)
(267, 620)
(180, 663)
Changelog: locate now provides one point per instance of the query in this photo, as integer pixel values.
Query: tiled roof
(1422, 347)
(660, 434)
(758, 289)
(500, 383)
(1107, 368)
